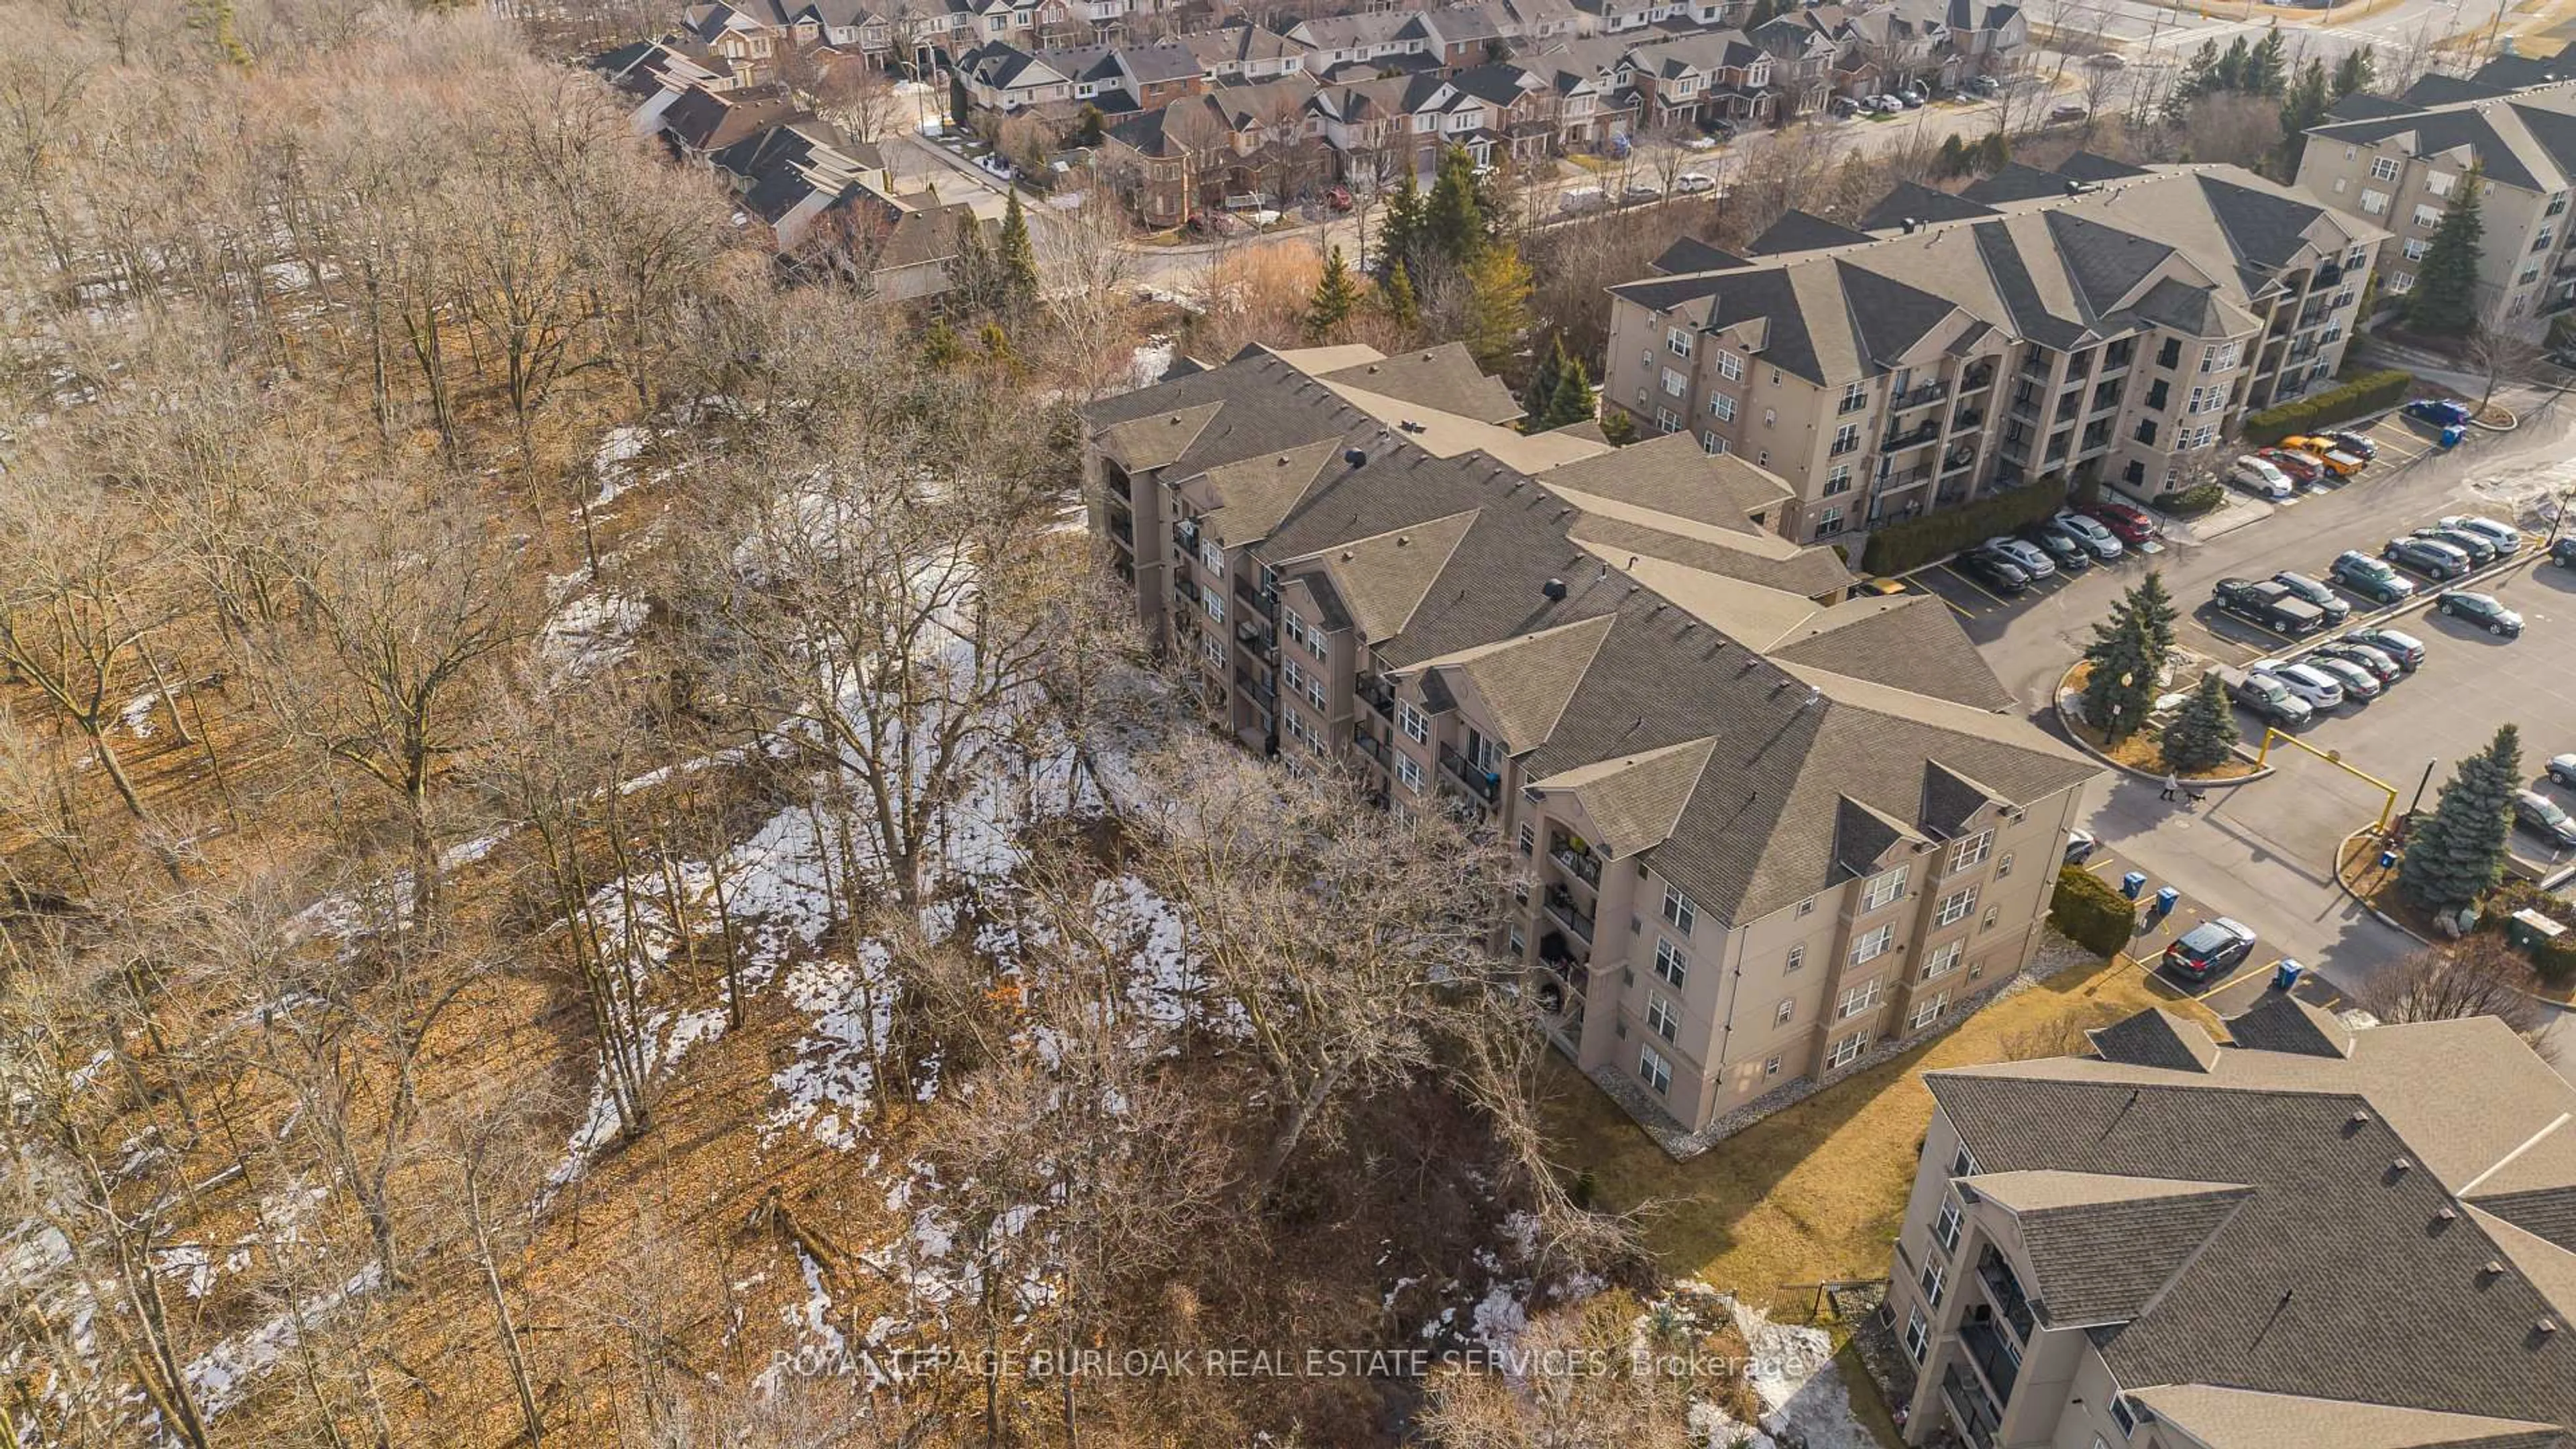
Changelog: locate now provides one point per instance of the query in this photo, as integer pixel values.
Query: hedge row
(2366, 393)
(1945, 531)
(2091, 912)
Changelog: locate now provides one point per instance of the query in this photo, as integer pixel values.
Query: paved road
(2263, 852)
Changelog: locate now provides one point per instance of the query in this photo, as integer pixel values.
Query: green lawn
(1815, 1193)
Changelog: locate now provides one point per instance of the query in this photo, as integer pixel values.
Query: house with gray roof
(2040, 326)
(1767, 830)
(2292, 1233)
(2398, 168)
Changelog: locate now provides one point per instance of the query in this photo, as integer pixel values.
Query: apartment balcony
(2117, 360)
(1257, 642)
(1898, 441)
(1479, 782)
(1972, 1407)
(1967, 420)
(1977, 378)
(1996, 1357)
(1895, 483)
(1185, 594)
(1958, 458)
(2026, 409)
(2328, 275)
(1560, 907)
(1263, 601)
(1561, 986)
(1583, 865)
(1918, 397)
(1851, 404)
(2003, 1289)
(1566, 958)
(1185, 537)
(2556, 305)
(1256, 691)
(1122, 527)
(1372, 747)
(1377, 695)
(2566, 264)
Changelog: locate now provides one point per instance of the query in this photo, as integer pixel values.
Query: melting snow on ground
(1804, 1398)
(589, 633)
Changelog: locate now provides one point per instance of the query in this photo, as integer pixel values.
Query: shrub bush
(2092, 913)
(1918, 541)
(2366, 393)
(2193, 501)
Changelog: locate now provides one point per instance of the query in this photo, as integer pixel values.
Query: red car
(2303, 468)
(1338, 197)
(2126, 524)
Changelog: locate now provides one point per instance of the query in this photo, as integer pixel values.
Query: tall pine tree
(1498, 315)
(2445, 299)
(2202, 731)
(2198, 78)
(2458, 855)
(2267, 67)
(1455, 222)
(1540, 396)
(1573, 402)
(2357, 72)
(1399, 233)
(2303, 107)
(1335, 297)
(1015, 263)
(1397, 289)
(974, 273)
(2127, 655)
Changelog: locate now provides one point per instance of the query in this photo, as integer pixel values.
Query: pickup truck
(2269, 604)
(2266, 698)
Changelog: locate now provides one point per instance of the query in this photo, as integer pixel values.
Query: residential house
(789, 175)
(1468, 35)
(1629, 17)
(1709, 75)
(1594, 105)
(1538, 22)
(2399, 170)
(2304, 1235)
(695, 124)
(1803, 60)
(2109, 330)
(1000, 76)
(1242, 142)
(1823, 822)
(1242, 54)
(1365, 44)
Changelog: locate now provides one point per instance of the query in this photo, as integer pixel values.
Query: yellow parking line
(1972, 583)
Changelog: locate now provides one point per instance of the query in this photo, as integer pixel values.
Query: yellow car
(2325, 451)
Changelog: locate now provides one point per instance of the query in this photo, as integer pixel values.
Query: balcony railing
(1899, 482)
(1994, 1355)
(2004, 1290)
(1376, 694)
(1122, 527)
(1371, 746)
(1897, 442)
(1977, 377)
(1482, 783)
(2328, 275)
(1263, 601)
(1851, 403)
(1560, 904)
(1258, 642)
(1967, 420)
(1976, 1413)
(1585, 867)
(1258, 692)
(1958, 458)
(1185, 537)
(1915, 397)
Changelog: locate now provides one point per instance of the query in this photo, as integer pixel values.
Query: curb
(2342, 847)
(2057, 704)
(2503, 427)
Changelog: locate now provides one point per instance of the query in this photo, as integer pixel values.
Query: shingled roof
(2311, 1242)
(1543, 594)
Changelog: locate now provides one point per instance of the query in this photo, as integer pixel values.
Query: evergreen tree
(2458, 855)
(2304, 106)
(2128, 652)
(2267, 67)
(997, 346)
(1993, 153)
(1401, 308)
(974, 273)
(1016, 262)
(2233, 63)
(1498, 315)
(1573, 401)
(2445, 299)
(940, 348)
(1088, 126)
(1953, 160)
(2195, 81)
(1455, 222)
(1619, 428)
(958, 105)
(1399, 233)
(2358, 71)
(1336, 297)
(2203, 731)
(1540, 397)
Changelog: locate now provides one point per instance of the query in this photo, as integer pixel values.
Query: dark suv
(2213, 948)
(2301, 586)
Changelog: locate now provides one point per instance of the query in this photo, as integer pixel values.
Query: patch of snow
(1804, 1398)
(589, 633)
(187, 1264)
(223, 1376)
(1147, 364)
(136, 717)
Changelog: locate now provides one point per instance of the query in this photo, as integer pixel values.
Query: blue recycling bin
(2286, 974)
(2166, 900)
(2387, 858)
(2451, 435)
(2134, 884)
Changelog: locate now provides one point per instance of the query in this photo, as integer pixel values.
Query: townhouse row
(1763, 829)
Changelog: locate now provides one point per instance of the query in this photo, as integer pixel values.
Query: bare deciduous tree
(2480, 976)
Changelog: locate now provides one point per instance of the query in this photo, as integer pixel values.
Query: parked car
(1719, 130)
(2386, 670)
(1992, 570)
(2432, 558)
(2130, 525)
(2105, 544)
(2270, 700)
(2440, 412)
(2371, 578)
(2268, 604)
(1697, 143)
(2080, 845)
(2541, 815)
(2481, 551)
(2312, 685)
(2064, 112)
(1338, 197)
(2063, 549)
(1842, 106)
(2261, 479)
(2357, 444)
(2484, 610)
(2406, 649)
(1581, 199)
(1692, 183)
(2358, 680)
(2563, 552)
(2027, 557)
(2506, 538)
(2303, 468)
(2562, 768)
(2106, 60)
(1984, 85)
(2323, 449)
(2209, 949)
(2326, 599)
(1641, 190)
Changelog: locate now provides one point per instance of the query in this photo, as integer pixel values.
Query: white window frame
(1883, 888)
(1675, 383)
(1945, 1228)
(1918, 1336)
(1929, 1012)
(2383, 168)
(1956, 906)
(1678, 340)
(1941, 960)
(1934, 1281)
(1654, 1070)
(1971, 850)
(1672, 963)
(1722, 406)
(1848, 1050)
(1786, 1012)
(1857, 1000)
(1415, 724)
(1662, 1017)
(1796, 961)
(1408, 770)
(1729, 366)
(1679, 912)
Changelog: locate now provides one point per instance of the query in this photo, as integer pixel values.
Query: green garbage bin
(2528, 930)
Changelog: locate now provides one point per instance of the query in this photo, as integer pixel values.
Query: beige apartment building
(2306, 1236)
(2399, 170)
(1765, 830)
(2098, 323)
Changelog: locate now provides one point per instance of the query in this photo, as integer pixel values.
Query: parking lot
(2226, 993)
